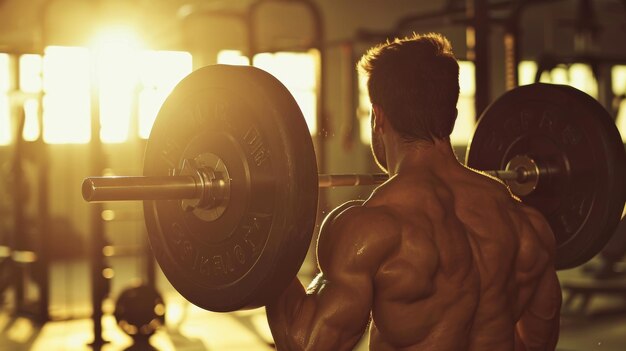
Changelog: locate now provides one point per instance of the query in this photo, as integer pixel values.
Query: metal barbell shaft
(187, 187)
(140, 188)
(508, 174)
(331, 180)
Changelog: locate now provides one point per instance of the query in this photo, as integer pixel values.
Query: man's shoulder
(367, 232)
(539, 226)
(365, 221)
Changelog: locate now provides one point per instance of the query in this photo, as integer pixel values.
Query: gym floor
(601, 326)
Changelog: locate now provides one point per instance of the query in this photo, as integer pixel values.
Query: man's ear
(378, 118)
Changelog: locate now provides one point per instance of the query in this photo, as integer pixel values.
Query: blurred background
(81, 82)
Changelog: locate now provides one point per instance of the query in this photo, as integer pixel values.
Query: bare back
(445, 260)
(467, 266)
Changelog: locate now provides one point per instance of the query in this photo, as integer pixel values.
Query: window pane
(117, 78)
(164, 69)
(465, 121)
(5, 73)
(66, 68)
(31, 124)
(526, 72)
(66, 118)
(581, 77)
(232, 57)
(150, 101)
(363, 111)
(115, 113)
(66, 105)
(297, 71)
(467, 78)
(621, 120)
(577, 75)
(307, 101)
(619, 89)
(618, 75)
(466, 118)
(159, 72)
(30, 73)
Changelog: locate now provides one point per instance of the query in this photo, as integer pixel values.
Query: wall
(28, 26)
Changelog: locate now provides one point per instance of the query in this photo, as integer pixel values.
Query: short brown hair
(415, 81)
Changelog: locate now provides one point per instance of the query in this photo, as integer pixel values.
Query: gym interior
(83, 81)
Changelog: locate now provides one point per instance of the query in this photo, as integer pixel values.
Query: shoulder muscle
(359, 236)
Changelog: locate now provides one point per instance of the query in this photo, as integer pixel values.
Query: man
(440, 257)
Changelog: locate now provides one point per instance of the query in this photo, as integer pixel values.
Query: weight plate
(251, 251)
(581, 157)
(140, 310)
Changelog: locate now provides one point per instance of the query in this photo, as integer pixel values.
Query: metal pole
(478, 51)
(188, 187)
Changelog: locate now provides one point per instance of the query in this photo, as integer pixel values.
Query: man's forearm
(283, 313)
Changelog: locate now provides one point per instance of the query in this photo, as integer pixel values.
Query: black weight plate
(140, 310)
(249, 254)
(575, 141)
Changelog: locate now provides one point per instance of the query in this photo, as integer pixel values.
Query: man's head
(414, 83)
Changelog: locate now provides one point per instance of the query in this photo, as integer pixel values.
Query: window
(297, 71)
(31, 83)
(66, 101)
(577, 75)
(159, 73)
(232, 57)
(619, 89)
(130, 83)
(580, 76)
(466, 118)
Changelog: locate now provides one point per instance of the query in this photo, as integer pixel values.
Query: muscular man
(440, 257)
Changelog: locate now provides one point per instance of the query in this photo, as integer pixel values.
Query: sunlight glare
(31, 124)
(159, 73)
(66, 104)
(116, 52)
(30, 73)
(298, 72)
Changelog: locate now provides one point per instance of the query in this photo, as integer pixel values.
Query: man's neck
(421, 154)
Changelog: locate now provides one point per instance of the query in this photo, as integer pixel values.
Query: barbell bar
(134, 188)
(232, 148)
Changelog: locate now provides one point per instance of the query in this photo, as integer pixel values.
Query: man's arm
(334, 312)
(538, 327)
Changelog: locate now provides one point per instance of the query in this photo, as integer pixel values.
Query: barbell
(230, 180)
